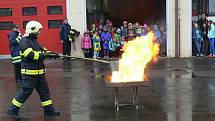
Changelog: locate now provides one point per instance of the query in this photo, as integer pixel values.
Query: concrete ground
(178, 90)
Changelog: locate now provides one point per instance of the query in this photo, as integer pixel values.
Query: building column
(76, 14)
(170, 24)
(185, 17)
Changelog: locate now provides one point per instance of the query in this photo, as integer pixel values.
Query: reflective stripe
(16, 103)
(20, 53)
(46, 103)
(16, 61)
(18, 39)
(27, 51)
(15, 58)
(36, 55)
(33, 72)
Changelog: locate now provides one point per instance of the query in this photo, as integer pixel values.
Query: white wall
(185, 15)
(170, 23)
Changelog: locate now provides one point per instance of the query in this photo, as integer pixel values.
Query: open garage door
(143, 11)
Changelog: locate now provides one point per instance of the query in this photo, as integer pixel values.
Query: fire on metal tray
(137, 54)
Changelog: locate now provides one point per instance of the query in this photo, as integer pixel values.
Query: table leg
(116, 94)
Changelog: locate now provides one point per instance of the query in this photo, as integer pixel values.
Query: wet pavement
(178, 90)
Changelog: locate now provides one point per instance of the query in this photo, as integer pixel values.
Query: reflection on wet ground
(179, 90)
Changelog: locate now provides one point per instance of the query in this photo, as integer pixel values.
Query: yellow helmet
(33, 27)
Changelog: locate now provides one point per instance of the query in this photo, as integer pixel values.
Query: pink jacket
(86, 42)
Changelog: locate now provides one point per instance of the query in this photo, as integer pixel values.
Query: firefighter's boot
(13, 113)
(50, 111)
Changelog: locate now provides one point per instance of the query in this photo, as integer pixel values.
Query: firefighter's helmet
(33, 27)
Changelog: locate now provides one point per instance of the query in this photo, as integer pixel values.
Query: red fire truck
(50, 13)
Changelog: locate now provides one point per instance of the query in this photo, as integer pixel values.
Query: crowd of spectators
(104, 39)
(203, 37)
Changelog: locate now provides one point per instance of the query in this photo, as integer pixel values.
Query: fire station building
(52, 12)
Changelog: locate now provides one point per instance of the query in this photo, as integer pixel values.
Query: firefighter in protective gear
(14, 39)
(33, 72)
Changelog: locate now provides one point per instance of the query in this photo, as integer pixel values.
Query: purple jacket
(105, 37)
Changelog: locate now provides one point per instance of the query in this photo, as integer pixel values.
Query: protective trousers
(29, 82)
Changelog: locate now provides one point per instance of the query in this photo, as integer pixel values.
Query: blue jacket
(196, 35)
(211, 32)
(14, 40)
(64, 32)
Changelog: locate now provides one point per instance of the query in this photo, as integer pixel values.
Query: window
(55, 23)
(28, 11)
(5, 11)
(54, 10)
(24, 24)
(6, 25)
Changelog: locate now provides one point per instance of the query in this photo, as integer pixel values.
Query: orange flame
(137, 54)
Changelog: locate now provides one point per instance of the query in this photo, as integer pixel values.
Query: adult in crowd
(64, 37)
(202, 20)
(205, 42)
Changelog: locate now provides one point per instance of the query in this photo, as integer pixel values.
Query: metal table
(133, 85)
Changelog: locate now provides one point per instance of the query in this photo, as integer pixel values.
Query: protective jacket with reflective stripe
(31, 53)
(14, 40)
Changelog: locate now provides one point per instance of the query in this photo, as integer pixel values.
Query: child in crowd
(86, 44)
(100, 29)
(131, 32)
(143, 31)
(118, 36)
(92, 30)
(157, 34)
(96, 44)
(137, 29)
(211, 36)
(124, 31)
(112, 31)
(113, 47)
(197, 36)
(105, 37)
(163, 41)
